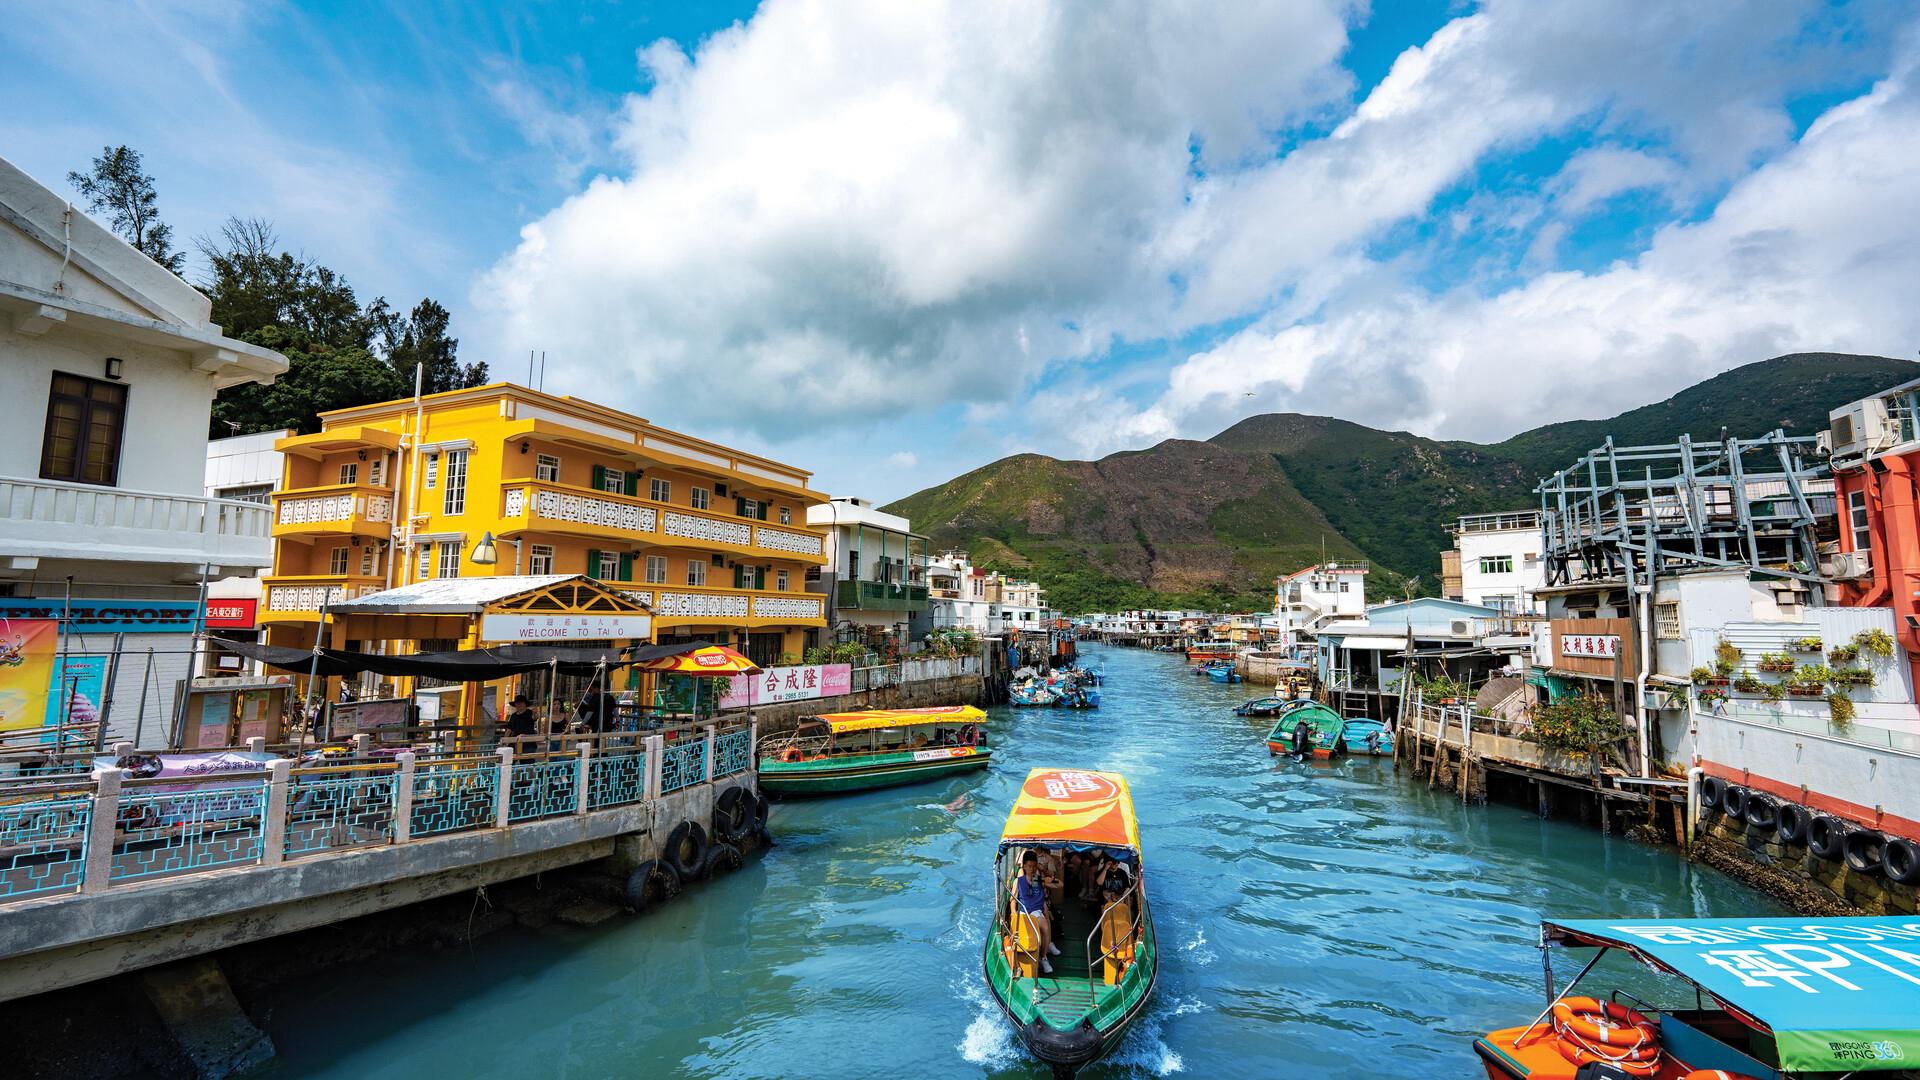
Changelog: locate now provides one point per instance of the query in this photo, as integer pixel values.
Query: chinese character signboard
(802, 683)
(231, 613)
(1600, 646)
(565, 627)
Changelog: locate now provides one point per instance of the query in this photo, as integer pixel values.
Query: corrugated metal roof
(452, 596)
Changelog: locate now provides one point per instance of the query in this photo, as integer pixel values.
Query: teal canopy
(1839, 995)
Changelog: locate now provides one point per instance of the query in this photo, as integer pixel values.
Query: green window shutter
(593, 559)
(759, 577)
(762, 507)
(633, 483)
(626, 566)
(739, 506)
(599, 477)
(739, 576)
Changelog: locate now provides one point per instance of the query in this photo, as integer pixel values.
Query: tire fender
(685, 851)
(1713, 793)
(721, 858)
(733, 815)
(760, 806)
(1763, 812)
(652, 883)
(1734, 802)
(1901, 860)
(1827, 836)
(1794, 823)
(1865, 851)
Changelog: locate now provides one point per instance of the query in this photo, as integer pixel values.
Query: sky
(893, 242)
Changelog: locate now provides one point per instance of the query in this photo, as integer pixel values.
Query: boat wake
(1197, 951)
(989, 1040)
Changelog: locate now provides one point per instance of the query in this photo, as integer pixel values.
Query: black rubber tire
(1734, 802)
(1827, 836)
(1865, 851)
(1713, 794)
(733, 815)
(760, 808)
(722, 858)
(1763, 812)
(685, 850)
(1795, 820)
(651, 884)
(1901, 860)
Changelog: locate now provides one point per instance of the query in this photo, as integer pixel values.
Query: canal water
(1315, 921)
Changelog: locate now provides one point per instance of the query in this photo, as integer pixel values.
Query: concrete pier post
(656, 748)
(403, 797)
(122, 749)
(106, 812)
(273, 821)
(503, 792)
(362, 744)
(257, 744)
(583, 773)
(707, 772)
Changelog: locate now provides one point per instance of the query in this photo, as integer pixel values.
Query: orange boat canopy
(1071, 806)
(873, 719)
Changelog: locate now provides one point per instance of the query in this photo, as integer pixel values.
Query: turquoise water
(1315, 921)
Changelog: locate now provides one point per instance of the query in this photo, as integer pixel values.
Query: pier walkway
(108, 873)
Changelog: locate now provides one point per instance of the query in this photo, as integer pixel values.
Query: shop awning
(1366, 643)
(460, 665)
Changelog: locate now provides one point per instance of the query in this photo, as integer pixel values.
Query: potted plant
(1749, 684)
(1852, 676)
(1773, 692)
(1874, 643)
(1775, 661)
(1843, 654)
(1809, 681)
(1710, 696)
(1726, 658)
(1840, 707)
(1810, 643)
(1703, 676)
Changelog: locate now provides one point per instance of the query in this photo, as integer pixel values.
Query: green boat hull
(835, 776)
(1118, 1007)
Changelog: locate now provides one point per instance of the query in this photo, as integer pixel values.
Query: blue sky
(894, 242)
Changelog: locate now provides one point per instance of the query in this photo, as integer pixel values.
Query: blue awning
(1838, 994)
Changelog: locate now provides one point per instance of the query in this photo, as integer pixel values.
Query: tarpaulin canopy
(1071, 806)
(1839, 995)
(873, 719)
(460, 665)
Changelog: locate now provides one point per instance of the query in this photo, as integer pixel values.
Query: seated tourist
(1030, 897)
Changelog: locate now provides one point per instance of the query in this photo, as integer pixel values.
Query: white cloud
(1598, 173)
(903, 459)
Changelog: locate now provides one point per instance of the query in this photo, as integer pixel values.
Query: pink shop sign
(801, 683)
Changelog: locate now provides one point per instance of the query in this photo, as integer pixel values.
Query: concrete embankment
(1793, 874)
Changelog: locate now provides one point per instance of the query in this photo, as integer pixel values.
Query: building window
(377, 471)
(546, 467)
(456, 482)
(257, 493)
(660, 490)
(426, 561)
(696, 572)
(613, 480)
(433, 470)
(449, 549)
(1496, 564)
(1343, 586)
(699, 497)
(337, 562)
(607, 565)
(780, 580)
(369, 561)
(656, 570)
(540, 559)
(349, 473)
(1857, 521)
(1666, 621)
(753, 508)
(85, 420)
(786, 516)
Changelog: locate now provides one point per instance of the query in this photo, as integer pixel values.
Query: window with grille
(696, 572)
(369, 561)
(699, 497)
(449, 550)
(780, 580)
(337, 561)
(659, 490)
(786, 516)
(456, 502)
(425, 569)
(85, 421)
(377, 472)
(540, 559)
(656, 569)
(1666, 621)
(546, 467)
(433, 470)
(349, 473)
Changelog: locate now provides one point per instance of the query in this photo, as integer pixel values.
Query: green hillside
(1209, 524)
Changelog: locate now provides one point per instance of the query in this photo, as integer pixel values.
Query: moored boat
(1223, 673)
(1759, 999)
(1309, 729)
(854, 751)
(1073, 1007)
(1032, 694)
(1362, 735)
(1263, 706)
(1212, 650)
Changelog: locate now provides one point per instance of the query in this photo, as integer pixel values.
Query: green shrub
(1726, 658)
(1841, 707)
(1579, 725)
(1875, 642)
(1700, 675)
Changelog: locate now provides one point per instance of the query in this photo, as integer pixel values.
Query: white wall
(1519, 584)
(244, 461)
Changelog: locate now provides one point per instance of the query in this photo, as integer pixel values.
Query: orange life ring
(1605, 1024)
(791, 753)
(1635, 1063)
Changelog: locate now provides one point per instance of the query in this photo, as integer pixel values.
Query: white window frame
(349, 473)
(1496, 564)
(369, 561)
(448, 564)
(433, 470)
(426, 560)
(1858, 523)
(699, 498)
(613, 481)
(660, 490)
(456, 488)
(338, 560)
(377, 471)
(656, 570)
(696, 571)
(546, 468)
(786, 516)
(540, 558)
(609, 567)
(1666, 620)
(780, 580)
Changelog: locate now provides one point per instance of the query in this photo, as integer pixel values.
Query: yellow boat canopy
(1071, 806)
(874, 719)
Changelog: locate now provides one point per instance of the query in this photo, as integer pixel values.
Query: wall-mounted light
(113, 367)
(523, 447)
(362, 453)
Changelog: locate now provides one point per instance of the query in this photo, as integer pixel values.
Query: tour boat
(1312, 729)
(1759, 999)
(854, 751)
(1212, 650)
(1104, 974)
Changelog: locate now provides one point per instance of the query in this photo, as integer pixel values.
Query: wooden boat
(1310, 728)
(1032, 694)
(1212, 650)
(1102, 979)
(854, 751)
(1362, 735)
(1757, 998)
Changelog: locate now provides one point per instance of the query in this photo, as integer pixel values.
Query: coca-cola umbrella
(708, 661)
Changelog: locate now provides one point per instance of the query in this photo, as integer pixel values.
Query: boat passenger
(1032, 901)
(521, 721)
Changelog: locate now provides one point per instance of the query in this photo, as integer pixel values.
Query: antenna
(529, 367)
(542, 385)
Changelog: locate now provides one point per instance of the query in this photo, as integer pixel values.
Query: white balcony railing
(51, 518)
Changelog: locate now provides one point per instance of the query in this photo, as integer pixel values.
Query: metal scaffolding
(1633, 513)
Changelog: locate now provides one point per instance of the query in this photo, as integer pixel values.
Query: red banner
(232, 614)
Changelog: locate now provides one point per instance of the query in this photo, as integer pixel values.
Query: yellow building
(713, 540)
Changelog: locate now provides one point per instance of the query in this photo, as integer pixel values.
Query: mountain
(1209, 524)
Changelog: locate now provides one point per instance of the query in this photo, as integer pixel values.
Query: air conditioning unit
(1460, 628)
(1860, 428)
(1850, 565)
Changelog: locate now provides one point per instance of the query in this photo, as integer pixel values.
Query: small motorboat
(1752, 999)
(1365, 736)
(1312, 729)
(1224, 673)
(854, 751)
(1032, 694)
(1078, 697)
(1212, 650)
(1270, 706)
(1071, 1009)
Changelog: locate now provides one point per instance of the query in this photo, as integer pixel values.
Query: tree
(119, 187)
(320, 376)
(421, 338)
(254, 284)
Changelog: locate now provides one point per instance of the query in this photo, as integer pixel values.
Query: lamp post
(486, 554)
